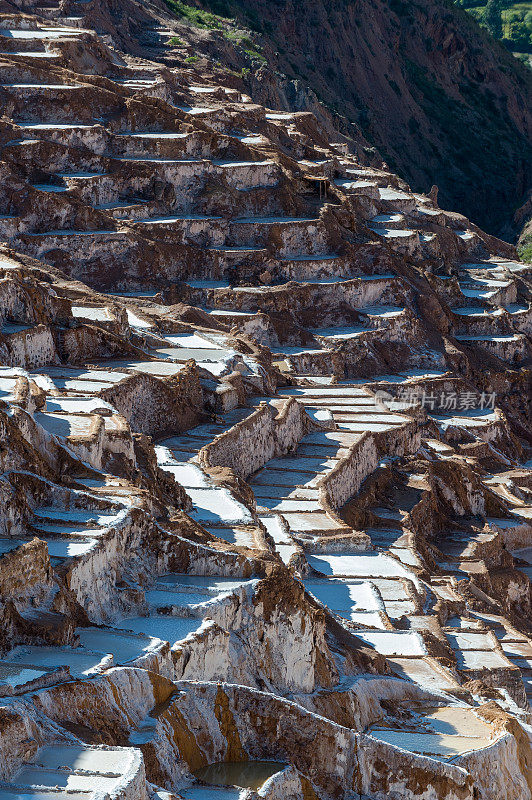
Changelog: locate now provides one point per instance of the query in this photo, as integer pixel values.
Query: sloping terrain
(440, 101)
(265, 449)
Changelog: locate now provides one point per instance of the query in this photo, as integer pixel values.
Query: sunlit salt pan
(217, 505)
(394, 643)
(167, 628)
(345, 597)
(358, 565)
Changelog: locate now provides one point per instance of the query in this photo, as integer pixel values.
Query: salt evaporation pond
(246, 774)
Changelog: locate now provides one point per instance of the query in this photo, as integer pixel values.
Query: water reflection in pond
(246, 774)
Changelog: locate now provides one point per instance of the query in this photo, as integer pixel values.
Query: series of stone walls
(235, 723)
(345, 479)
(264, 435)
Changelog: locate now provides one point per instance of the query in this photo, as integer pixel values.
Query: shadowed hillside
(441, 101)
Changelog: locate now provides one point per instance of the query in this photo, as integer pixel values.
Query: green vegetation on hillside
(221, 21)
(508, 21)
(196, 16)
(525, 248)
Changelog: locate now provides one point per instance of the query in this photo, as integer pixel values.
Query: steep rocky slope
(442, 102)
(418, 84)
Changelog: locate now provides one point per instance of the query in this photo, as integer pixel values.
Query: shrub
(196, 16)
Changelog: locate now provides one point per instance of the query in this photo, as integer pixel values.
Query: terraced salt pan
(64, 780)
(168, 220)
(246, 774)
(46, 376)
(160, 599)
(65, 528)
(208, 284)
(508, 337)
(159, 368)
(445, 733)
(13, 327)
(303, 464)
(240, 537)
(62, 548)
(42, 33)
(79, 405)
(340, 333)
(76, 516)
(188, 475)
(278, 477)
(49, 86)
(17, 675)
(485, 414)
(7, 545)
(383, 219)
(193, 340)
(217, 505)
(269, 491)
(61, 126)
(6, 389)
(80, 175)
(301, 522)
(394, 643)
(465, 640)
(200, 354)
(208, 793)
(65, 425)
(284, 545)
(477, 311)
(31, 54)
(393, 194)
(361, 427)
(346, 598)
(72, 232)
(296, 351)
(49, 187)
(238, 164)
(342, 438)
(78, 757)
(329, 393)
(407, 375)
(393, 233)
(94, 313)
(210, 584)
(79, 661)
(162, 627)
(152, 134)
(357, 565)
(425, 672)
(480, 659)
